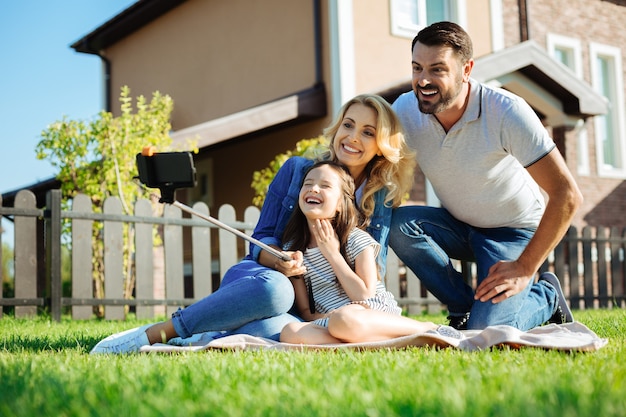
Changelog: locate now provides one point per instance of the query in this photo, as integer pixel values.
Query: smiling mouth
(313, 200)
(350, 149)
(428, 92)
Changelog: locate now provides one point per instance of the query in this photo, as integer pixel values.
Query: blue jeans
(251, 299)
(427, 238)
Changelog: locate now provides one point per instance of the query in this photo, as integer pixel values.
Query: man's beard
(444, 102)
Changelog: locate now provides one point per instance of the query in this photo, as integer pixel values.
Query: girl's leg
(306, 333)
(356, 323)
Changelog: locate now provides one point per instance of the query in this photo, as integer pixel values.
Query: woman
(255, 295)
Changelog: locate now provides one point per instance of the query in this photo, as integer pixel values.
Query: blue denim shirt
(282, 199)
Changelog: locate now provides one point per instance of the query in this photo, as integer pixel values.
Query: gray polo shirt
(477, 169)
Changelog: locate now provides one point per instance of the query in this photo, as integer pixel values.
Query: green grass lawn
(45, 370)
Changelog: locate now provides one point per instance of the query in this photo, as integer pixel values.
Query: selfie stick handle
(273, 251)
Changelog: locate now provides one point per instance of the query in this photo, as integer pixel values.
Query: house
(250, 78)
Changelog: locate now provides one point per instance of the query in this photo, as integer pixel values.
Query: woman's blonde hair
(394, 169)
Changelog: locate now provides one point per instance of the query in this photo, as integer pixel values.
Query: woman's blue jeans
(426, 239)
(252, 299)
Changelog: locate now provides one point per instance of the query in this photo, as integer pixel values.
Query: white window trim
(595, 50)
(554, 41)
(458, 14)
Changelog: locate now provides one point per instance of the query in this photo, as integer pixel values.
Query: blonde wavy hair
(394, 169)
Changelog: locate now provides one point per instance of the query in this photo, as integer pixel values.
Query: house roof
(128, 21)
(526, 68)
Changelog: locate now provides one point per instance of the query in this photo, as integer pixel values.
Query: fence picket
(113, 259)
(228, 241)
(250, 216)
(82, 254)
(618, 266)
(201, 262)
(601, 244)
(25, 254)
(392, 275)
(588, 266)
(144, 260)
(572, 251)
(173, 252)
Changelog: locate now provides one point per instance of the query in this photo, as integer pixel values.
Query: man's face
(438, 77)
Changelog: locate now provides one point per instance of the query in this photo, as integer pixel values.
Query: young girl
(341, 281)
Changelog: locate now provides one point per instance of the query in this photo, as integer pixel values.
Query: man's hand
(505, 279)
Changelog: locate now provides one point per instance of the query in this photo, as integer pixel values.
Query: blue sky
(42, 79)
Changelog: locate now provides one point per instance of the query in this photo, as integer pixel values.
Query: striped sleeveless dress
(328, 292)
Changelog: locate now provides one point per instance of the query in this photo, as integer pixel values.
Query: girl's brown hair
(297, 234)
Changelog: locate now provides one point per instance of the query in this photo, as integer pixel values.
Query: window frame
(614, 56)
(456, 13)
(574, 48)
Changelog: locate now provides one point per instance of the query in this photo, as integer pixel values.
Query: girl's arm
(302, 300)
(359, 284)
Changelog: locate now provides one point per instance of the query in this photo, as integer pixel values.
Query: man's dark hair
(449, 34)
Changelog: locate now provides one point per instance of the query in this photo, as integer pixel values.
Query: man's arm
(508, 278)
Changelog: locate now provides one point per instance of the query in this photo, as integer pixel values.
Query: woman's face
(320, 193)
(355, 141)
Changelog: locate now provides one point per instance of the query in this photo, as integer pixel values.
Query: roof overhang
(550, 87)
(298, 107)
(128, 21)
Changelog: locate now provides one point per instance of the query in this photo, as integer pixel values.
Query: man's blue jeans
(251, 299)
(427, 238)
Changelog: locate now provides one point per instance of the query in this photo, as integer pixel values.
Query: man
(486, 155)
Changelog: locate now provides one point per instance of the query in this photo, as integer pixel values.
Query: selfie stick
(151, 175)
(216, 222)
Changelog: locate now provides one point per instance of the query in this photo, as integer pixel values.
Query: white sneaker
(125, 342)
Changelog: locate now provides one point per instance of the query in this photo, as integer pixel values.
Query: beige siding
(219, 57)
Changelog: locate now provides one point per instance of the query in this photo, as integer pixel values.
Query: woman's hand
(293, 267)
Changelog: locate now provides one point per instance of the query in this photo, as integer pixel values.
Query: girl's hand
(291, 268)
(325, 236)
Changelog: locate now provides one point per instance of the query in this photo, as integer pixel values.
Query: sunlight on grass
(45, 369)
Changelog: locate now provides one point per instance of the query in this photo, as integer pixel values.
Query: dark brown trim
(128, 21)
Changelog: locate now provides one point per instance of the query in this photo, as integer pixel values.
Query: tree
(97, 158)
(261, 179)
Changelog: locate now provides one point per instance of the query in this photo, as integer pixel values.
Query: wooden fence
(195, 253)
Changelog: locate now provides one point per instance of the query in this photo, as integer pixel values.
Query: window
(606, 76)
(409, 16)
(567, 51)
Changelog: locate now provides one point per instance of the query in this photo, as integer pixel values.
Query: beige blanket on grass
(564, 337)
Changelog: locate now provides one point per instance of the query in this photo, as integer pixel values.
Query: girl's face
(355, 141)
(320, 193)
